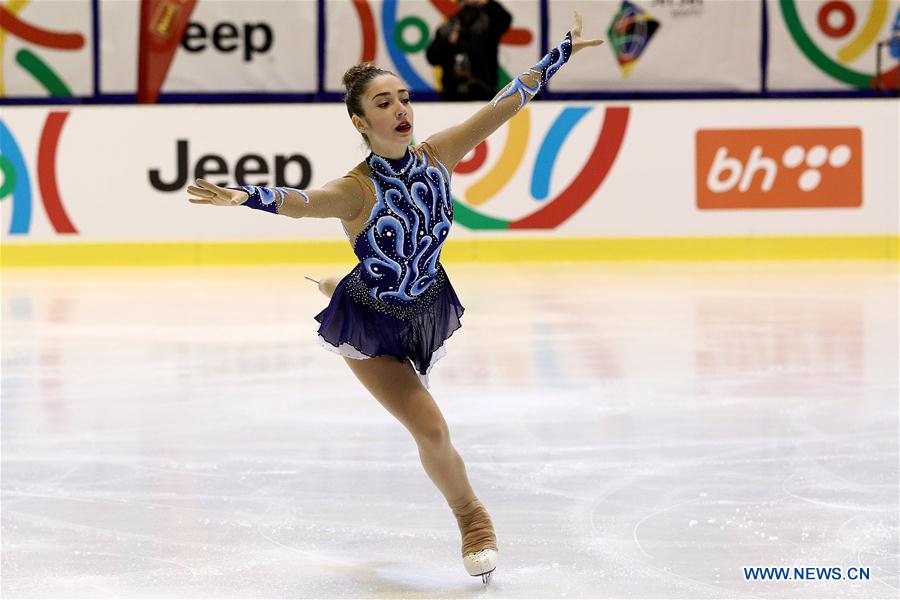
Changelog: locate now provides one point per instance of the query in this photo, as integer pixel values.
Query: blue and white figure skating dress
(398, 300)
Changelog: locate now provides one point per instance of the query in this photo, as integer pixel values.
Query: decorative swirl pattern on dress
(408, 225)
(546, 68)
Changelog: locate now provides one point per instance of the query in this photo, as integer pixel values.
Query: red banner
(162, 26)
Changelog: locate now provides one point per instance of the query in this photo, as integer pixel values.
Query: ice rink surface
(635, 429)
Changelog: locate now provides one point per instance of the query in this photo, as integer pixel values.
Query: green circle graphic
(423, 33)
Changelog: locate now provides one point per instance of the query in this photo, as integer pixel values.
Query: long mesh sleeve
(455, 142)
(341, 198)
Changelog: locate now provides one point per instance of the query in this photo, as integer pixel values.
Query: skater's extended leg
(327, 284)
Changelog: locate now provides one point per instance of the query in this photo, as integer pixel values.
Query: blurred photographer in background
(465, 47)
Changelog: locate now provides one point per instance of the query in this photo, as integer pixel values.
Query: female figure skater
(389, 317)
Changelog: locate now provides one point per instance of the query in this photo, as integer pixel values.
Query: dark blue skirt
(358, 326)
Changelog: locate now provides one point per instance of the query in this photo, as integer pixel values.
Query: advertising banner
(45, 49)
(832, 44)
(661, 45)
(228, 46)
(558, 170)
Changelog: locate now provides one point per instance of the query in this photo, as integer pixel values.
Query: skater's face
(388, 118)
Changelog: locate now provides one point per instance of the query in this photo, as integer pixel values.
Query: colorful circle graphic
(866, 36)
(574, 196)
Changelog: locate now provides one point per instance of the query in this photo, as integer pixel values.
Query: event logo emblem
(559, 209)
(779, 168)
(629, 34)
(16, 182)
(394, 37)
(837, 20)
(12, 24)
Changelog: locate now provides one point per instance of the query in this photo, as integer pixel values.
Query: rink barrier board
(464, 250)
(656, 170)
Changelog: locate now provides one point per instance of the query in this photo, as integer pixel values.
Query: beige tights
(475, 526)
(396, 386)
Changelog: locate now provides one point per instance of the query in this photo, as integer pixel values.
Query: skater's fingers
(199, 201)
(203, 193)
(207, 185)
(580, 44)
(576, 30)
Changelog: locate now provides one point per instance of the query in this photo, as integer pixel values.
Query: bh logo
(837, 21)
(553, 211)
(779, 168)
(396, 39)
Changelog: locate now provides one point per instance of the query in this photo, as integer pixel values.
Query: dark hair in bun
(356, 80)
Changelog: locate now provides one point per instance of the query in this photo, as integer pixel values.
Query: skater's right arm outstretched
(341, 198)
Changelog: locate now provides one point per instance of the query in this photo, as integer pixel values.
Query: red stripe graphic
(516, 37)
(888, 80)
(47, 173)
(447, 8)
(162, 27)
(38, 36)
(367, 23)
(474, 163)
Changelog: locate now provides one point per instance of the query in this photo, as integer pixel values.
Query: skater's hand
(577, 42)
(209, 193)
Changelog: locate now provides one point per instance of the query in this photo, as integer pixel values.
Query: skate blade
(486, 577)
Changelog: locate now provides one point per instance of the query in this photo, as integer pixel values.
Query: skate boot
(479, 544)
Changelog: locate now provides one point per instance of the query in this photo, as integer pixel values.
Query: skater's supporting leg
(396, 386)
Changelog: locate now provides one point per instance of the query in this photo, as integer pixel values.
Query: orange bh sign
(779, 168)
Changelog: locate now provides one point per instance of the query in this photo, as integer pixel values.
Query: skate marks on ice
(648, 435)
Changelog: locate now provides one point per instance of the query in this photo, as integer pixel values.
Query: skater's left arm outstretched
(453, 143)
(341, 198)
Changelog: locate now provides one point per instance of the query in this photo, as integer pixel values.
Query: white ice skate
(481, 563)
